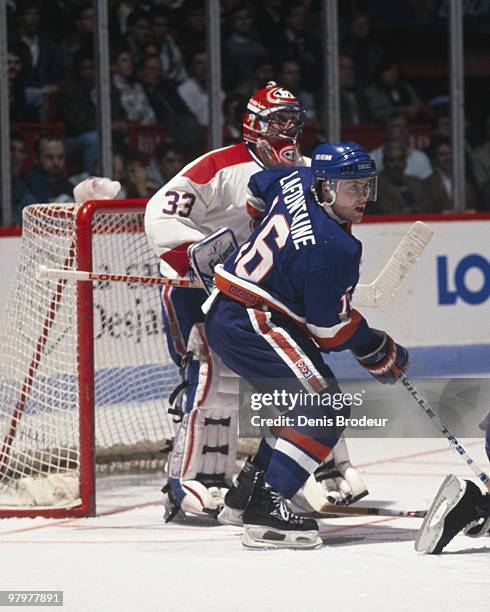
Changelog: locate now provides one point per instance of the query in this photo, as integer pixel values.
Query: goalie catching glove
(96, 188)
(387, 361)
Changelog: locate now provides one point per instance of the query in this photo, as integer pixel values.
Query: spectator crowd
(159, 78)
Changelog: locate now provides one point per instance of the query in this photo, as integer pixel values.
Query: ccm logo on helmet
(323, 156)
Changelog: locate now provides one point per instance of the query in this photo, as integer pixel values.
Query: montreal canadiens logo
(278, 94)
(288, 153)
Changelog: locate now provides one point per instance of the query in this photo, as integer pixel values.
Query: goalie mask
(344, 178)
(274, 118)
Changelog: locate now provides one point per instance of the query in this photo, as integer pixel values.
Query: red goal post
(84, 368)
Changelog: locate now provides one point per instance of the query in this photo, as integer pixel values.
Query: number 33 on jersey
(178, 202)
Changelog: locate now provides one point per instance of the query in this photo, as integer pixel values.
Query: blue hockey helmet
(343, 161)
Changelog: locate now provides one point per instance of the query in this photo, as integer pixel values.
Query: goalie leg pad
(205, 445)
(181, 310)
(187, 303)
(212, 403)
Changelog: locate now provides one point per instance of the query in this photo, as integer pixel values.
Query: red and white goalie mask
(273, 121)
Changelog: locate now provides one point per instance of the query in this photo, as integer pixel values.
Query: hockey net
(84, 370)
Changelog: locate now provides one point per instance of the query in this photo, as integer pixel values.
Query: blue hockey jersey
(300, 262)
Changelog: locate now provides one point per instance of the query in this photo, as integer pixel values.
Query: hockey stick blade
(381, 290)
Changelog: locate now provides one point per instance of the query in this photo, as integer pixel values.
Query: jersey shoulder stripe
(204, 169)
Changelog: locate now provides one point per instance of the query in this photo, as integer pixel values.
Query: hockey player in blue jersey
(283, 300)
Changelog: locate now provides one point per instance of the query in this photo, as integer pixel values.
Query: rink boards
(442, 307)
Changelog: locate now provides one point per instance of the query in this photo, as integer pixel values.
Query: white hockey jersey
(207, 194)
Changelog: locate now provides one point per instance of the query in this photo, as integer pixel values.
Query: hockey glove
(387, 362)
(96, 188)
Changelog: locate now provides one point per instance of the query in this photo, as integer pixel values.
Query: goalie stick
(376, 294)
(43, 272)
(329, 509)
(318, 507)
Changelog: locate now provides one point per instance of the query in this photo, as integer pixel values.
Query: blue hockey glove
(387, 362)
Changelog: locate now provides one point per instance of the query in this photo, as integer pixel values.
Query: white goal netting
(44, 374)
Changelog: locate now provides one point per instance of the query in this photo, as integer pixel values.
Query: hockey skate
(457, 505)
(237, 497)
(268, 523)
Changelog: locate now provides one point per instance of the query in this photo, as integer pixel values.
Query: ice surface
(127, 559)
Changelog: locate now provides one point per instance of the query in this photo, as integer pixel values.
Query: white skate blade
(263, 538)
(449, 494)
(229, 516)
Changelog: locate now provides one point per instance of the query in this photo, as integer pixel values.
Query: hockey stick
(381, 290)
(378, 293)
(43, 272)
(456, 445)
(329, 509)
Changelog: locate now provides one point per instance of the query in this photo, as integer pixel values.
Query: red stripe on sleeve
(343, 334)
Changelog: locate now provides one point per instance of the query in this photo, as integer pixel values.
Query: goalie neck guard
(275, 115)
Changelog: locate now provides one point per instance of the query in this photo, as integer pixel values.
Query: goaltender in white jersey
(206, 195)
